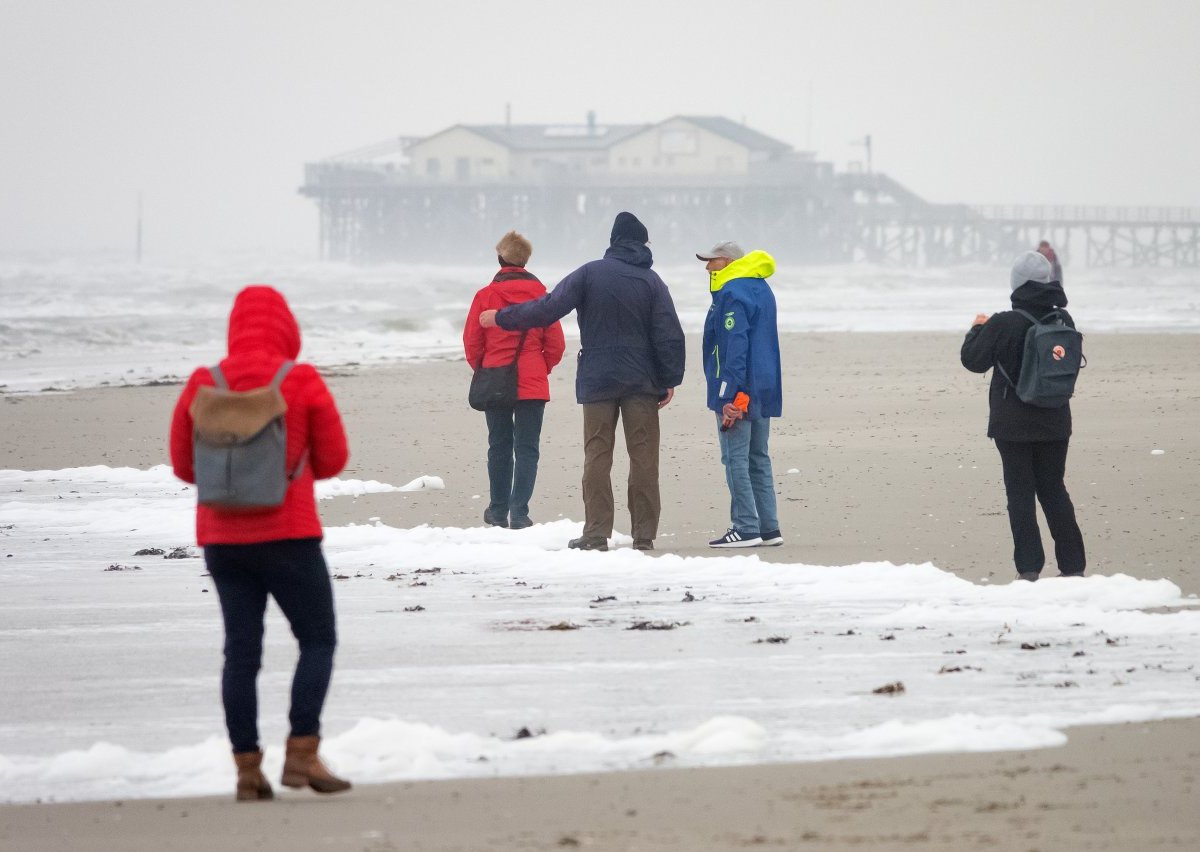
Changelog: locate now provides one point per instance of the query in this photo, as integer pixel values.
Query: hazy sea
(80, 322)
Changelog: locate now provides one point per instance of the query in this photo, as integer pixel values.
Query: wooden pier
(372, 213)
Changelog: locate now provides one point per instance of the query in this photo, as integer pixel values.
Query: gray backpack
(239, 444)
(1050, 363)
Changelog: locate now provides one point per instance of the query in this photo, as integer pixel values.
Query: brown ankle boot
(302, 767)
(252, 785)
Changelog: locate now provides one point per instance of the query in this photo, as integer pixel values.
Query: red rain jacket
(495, 347)
(262, 335)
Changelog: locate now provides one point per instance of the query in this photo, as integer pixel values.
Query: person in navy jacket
(630, 362)
(745, 387)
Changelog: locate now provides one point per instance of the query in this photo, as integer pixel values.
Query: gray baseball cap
(727, 249)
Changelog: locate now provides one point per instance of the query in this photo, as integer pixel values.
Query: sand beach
(881, 455)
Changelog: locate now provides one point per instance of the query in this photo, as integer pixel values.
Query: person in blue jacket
(630, 362)
(741, 356)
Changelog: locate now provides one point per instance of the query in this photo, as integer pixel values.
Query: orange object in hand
(742, 403)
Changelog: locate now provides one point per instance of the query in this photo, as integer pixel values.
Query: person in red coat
(514, 434)
(272, 552)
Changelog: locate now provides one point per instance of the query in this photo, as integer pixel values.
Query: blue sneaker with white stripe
(733, 538)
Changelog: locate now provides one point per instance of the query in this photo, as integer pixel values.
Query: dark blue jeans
(514, 436)
(294, 573)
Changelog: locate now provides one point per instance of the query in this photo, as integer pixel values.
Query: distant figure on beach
(630, 362)
(1047, 251)
(514, 432)
(745, 387)
(271, 552)
(1032, 441)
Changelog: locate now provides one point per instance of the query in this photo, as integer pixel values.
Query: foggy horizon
(211, 110)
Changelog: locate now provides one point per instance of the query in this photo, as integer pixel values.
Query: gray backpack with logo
(239, 444)
(1050, 363)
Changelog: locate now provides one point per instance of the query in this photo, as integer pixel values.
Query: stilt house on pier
(693, 180)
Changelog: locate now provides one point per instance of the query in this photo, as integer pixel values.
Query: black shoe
(520, 523)
(1031, 576)
(733, 538)
(1072, 574)
(585, 542)
(773, 538)
(643, 544)
(495, 519)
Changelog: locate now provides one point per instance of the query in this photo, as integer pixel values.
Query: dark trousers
(1036, 469)
(294, 573)
(639, 415)
(514, 438)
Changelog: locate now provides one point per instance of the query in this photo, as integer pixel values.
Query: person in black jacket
(1032, 441)
(630, 362)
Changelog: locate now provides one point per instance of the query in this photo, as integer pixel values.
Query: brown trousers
(639, 415)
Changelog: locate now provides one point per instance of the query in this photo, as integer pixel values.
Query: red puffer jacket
(262, 335)
(495, 347)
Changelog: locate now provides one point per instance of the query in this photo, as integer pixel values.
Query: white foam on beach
(86, 322)
(452, 640)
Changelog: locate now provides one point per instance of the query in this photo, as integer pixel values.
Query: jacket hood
(1033, 296)
(757, 264)
(261, 321)
(628, 227)
(631, 251)
(514, 285)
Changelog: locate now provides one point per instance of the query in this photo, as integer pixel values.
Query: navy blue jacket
(630, 338)
(741, 338)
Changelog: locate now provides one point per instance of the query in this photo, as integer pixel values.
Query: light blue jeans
(752, 507)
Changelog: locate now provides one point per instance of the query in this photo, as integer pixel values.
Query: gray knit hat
(1031, 266)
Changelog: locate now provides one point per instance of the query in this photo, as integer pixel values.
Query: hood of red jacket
(515, 285)
(261, 321)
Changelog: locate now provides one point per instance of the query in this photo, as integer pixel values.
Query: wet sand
(885, 434)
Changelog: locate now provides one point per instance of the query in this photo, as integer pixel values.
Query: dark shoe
(1031, 576)
(252, 785)
(588, 543)
(774, 538)
(733, 538)
(303, 768)
(520, 523)
(495, 519)
(643, 544)
(1073, 574)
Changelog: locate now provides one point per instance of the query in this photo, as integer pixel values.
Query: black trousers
(1035, 469)
(294, 573)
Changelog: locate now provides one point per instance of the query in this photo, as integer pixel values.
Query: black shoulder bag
(496, 387)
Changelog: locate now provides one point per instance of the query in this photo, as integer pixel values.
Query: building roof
(555, 137)
(739, 133)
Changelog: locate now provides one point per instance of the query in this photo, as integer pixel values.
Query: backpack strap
(218, 377)
(281, 374)
(1000, 366)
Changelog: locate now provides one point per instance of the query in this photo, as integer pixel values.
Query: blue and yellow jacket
(741, 339)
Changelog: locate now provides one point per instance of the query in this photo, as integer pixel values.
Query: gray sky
(210, 108)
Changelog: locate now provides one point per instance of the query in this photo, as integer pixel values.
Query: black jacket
(1002, 340)
(630, 338)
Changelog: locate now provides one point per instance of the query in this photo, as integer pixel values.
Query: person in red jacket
(272, 552)
(513, 433)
